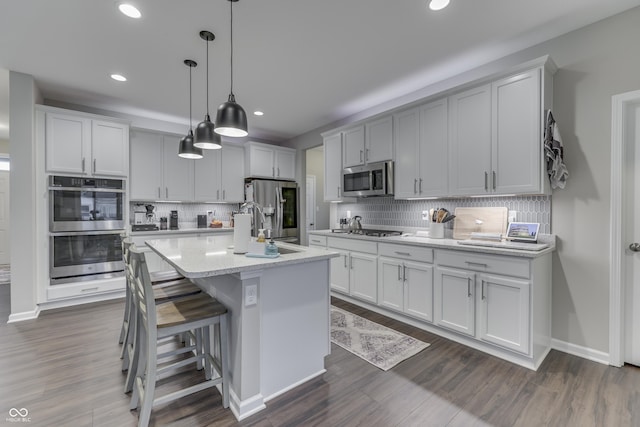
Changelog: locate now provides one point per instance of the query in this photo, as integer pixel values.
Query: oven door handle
(88, 189)
(85, 233)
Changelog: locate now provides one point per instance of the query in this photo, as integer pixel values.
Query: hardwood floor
(65, 369)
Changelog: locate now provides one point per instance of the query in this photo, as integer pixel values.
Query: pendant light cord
(207, 78)
(190, 102)
(231, 95)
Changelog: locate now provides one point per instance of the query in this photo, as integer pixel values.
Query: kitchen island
(279, 310)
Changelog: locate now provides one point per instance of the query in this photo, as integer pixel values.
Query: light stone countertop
(411, 239)
(212, 255)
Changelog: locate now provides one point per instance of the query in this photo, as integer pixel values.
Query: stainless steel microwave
(373, 179)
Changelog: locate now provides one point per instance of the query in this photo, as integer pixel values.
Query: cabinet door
(109, 148)
(332, 167)
(207, 185)
(454, 296)
(363, 277)
(418, 290)
(178, 173)
(517, 134)
(261, 161)
(379, 140)
(68, 146)
(145, 175)
(470, 141)
(390, 284)
(340, 272)
(285, 164)
(434, 150)
(406, 128)
(504, 312)
(353, 147)
(232, 174)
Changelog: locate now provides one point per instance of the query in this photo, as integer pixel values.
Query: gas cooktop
(369, 232)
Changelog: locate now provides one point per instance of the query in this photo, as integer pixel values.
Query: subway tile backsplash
(387, 212)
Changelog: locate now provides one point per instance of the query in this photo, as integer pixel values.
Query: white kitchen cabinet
(354, 272)
(504, 312)
(368, 143)
(84, 145)
(332, 167)
(269, 161)
(470, 141)
(421, 147)
(454, 298)
(319, 242)
(157, 172)
(219, 175)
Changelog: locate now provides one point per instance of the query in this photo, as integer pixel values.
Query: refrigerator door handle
(279, 204)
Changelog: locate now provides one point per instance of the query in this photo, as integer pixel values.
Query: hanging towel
(554, 153)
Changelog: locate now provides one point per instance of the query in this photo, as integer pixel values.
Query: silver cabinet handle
(366, 156)
(278, 171)
(361, 156)
(415, 182)
(83, 165)
(345, 260)
(402, 253)
(224, 194)
(420, 186)
(338, 191)
(273, 171)
(218, 194)
(469, 287)
(315, 241)
(486, 181)
(158, 192)
(94, 167)
(89, 289)
(399, 271)
(404, 273)
(494, 180)
(635, 247)
(350, 262)
(476, 263)
(483, 289)
(166, 192)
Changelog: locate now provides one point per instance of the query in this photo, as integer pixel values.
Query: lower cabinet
(454, 297)
(362, 276)
(354, 272)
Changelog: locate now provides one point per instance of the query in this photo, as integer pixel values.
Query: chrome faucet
(245, 209)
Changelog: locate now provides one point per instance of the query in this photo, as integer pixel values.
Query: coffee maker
(173, 220)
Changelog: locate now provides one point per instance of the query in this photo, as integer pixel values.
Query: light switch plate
(250, 295)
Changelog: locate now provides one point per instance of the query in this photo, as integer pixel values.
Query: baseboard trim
(245, 408)
(25, 315)
(580, 351)
(292, 386)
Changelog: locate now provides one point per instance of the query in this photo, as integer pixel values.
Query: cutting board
(493, 220)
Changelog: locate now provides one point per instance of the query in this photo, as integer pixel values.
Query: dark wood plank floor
(65, 369)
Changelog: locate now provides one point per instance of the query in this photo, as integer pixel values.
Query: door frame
(311, 179)
(617, 262)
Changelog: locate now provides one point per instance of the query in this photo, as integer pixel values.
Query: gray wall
(315, 166)
(595, 63)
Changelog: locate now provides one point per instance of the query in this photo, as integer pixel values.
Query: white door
(311, 202)
(4, 218)
(632, 236)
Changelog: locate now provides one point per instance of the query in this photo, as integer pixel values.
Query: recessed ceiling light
(119, 77)
(438, 4)
(130, 10)
(258, 113)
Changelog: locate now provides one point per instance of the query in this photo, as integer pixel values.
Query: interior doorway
(624, 307)
(315, 167)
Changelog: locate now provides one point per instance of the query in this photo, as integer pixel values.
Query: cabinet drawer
(317, 240)
(498, 264)
(414, 253)
(353, 245)
(86, 288)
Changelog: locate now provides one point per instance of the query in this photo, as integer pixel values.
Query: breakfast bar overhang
(279, 329)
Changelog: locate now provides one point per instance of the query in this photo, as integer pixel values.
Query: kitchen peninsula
(279, 311)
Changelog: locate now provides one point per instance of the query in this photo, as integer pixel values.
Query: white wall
(595, 63)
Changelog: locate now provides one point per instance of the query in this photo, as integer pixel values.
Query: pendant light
(186, 148)
(205, 136)
(231, 119)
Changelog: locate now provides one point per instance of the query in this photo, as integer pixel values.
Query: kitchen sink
(284, 251)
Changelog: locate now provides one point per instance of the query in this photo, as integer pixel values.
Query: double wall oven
(86, 220)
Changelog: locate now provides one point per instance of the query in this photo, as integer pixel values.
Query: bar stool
(195, 315)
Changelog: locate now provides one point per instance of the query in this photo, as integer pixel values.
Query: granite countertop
(184, 230)
(447, 243)
(212, 255)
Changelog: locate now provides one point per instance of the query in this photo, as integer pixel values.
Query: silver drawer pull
(402, 253)
(315, 241)
(477, 263)
(89, 289)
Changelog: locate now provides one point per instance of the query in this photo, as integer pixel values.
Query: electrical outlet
(512, 216)
(425, 215)
(250, 295)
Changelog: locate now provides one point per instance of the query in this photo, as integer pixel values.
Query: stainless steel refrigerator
(279, 201)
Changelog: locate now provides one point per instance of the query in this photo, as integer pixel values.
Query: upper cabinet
(496, 136)
(219, 176)
(84, 145)
(157, 173)
(420, 137)
(368, 143)
(269, 161)
(332, 145)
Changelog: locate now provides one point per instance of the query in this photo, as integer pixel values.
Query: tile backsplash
(187, 212)
(388, 212)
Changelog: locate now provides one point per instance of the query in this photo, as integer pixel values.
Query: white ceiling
(304, 63)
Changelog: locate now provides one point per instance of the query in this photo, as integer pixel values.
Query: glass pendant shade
(187, 149)
(206, 137)
(231, 119)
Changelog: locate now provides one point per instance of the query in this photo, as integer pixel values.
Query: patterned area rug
(5, 275)
(377, 344)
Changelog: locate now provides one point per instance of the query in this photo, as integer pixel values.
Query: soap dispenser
(261, 235)
(271, 249)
